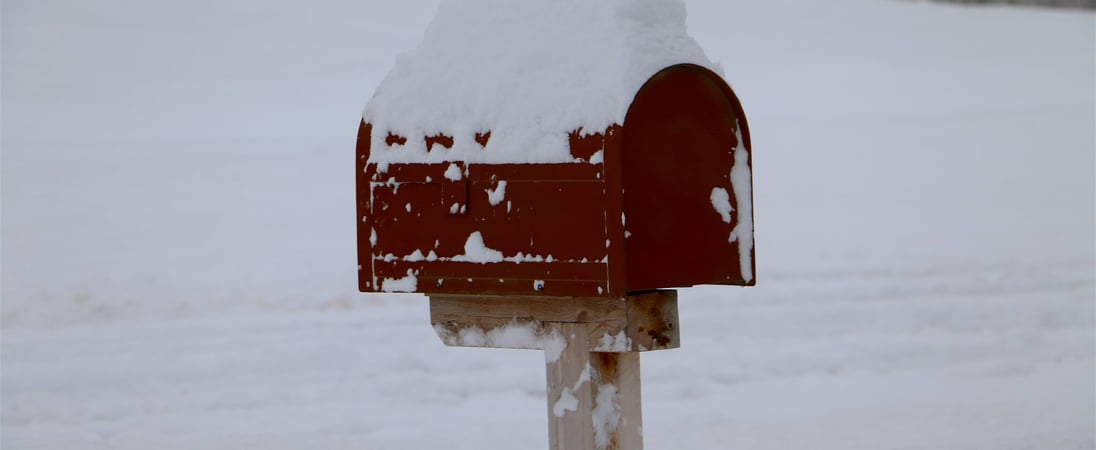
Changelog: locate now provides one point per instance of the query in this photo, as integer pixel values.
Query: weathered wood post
(557, 221)
(591, 346)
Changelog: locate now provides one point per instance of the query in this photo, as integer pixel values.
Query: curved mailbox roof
(527, 71)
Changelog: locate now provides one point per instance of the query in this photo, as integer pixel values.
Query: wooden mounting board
(637, 323)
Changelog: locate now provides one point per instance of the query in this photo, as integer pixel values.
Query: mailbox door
(680, 138)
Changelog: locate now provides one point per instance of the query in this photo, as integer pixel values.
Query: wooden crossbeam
(638, 323)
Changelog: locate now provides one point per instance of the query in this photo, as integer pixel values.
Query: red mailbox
(662, 200)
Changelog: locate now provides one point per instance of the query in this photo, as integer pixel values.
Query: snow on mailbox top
(527, 71)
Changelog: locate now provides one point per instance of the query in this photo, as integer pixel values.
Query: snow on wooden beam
(637, 323)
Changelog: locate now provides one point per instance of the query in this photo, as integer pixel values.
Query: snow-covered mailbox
(534, 164)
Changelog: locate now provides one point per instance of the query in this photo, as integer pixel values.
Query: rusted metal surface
(560, 229)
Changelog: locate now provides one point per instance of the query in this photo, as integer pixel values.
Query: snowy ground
(178, 267)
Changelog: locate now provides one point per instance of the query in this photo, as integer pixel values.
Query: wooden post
(570, 398)
(593, 398)
(617, 401)
(591, 350)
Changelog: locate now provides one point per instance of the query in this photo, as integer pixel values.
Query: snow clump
(528, 71)
(721, 201)
(478, 252)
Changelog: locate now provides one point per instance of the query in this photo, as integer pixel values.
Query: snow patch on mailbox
(742, 184)
(477, 252)
(527, 71)
(721, 201)
(410, 283)
(497, 195)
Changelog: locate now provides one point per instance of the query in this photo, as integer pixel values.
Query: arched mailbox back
(680, 138)
(663, 200)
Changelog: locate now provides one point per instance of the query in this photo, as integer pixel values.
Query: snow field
(178, 258)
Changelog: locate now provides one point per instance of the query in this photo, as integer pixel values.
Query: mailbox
(662, 200)
(542, 170)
